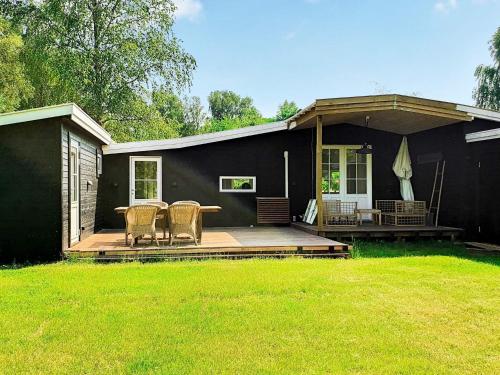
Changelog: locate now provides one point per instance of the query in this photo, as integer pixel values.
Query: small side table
(376, 215)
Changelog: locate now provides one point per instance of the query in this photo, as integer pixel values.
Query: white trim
(481, 113)
(74, 206)
(159, 177)
(253, 190)
(195, 140)
(484, 135)
(71, 110)
(343, 195)
(285, 154)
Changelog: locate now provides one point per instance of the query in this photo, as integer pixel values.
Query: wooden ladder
(435, 202)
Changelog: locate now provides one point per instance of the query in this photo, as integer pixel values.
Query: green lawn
(379, 313)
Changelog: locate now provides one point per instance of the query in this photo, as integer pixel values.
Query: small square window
(237, 184)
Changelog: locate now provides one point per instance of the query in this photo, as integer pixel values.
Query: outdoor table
(164, 211)
(376, 215)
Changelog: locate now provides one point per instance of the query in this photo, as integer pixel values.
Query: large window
(237, 184)
(356, 172)
(331, 171)
(346, 175)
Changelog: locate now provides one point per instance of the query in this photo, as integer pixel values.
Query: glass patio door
(145, 179)
(346, 175)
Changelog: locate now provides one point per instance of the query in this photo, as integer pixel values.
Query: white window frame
(159, 174)
(343, 177)
(253, 190)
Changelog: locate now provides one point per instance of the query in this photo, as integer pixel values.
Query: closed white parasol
(402, 169)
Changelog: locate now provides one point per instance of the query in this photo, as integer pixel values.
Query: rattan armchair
(140, 221)
(162, 218)
(183, 217)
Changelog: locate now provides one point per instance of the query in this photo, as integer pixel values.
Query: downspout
(285, 155)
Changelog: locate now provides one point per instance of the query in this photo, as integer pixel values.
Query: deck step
(480, 248)
(178, 257)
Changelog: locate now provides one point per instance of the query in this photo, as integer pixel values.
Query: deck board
(216, 241)
(380, 231)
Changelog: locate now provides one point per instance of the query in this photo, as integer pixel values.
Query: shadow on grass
(384, 249)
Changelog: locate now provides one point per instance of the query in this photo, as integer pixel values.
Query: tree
(487, 93)
(102, 54)
(194, 116)
(286, 110)
(229, 105)
(140, 121)
(14, 86)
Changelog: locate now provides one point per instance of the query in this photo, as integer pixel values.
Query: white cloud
(190, 9)
(444, 6)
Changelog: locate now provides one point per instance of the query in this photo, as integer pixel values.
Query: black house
(53, 192)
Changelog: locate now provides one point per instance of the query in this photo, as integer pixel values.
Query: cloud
(189, 9)
(444, 6)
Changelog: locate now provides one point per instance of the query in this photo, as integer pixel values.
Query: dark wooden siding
(193, 173)
(30, 200)
(90, 218)
(458, 206)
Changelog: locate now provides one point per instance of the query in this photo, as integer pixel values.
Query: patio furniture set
(388, 212)
(182, 218)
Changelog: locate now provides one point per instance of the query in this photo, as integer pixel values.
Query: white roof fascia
(71, 110)
(195, 140)
(484, 135)
(481, 113)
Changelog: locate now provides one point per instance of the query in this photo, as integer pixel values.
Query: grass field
(389, 310)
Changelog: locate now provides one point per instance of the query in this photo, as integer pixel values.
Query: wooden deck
(216, 243)
(368, 230)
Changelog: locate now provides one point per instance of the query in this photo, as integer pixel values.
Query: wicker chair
(141, 220)
(341, 213)
(162, 218)
(183, 217)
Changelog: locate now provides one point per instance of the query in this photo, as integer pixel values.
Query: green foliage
(101, 54)
(487, 93)
(139, 121)
(401, 315)
(229, 105)
(214, 125)
(194, 116)
(286, 110)
(14, 86)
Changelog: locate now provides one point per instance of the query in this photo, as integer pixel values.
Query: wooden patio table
(164, 211)
(376, 215)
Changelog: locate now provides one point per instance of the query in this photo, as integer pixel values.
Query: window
(146, 180)
(98, 164)
(356, 176)
(237, 184)
(331, 171)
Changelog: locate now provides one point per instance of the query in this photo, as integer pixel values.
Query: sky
(302, 50)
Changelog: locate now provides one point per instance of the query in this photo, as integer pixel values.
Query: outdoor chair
(140, 221)
(161, 218)
(183, 219)
(340, 213)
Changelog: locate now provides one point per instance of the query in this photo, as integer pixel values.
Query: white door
(145, 179)
(74, 194)
(347, 176)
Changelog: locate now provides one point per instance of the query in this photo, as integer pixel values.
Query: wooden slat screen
(273, 210)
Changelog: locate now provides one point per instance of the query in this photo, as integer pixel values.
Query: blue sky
(302, 50)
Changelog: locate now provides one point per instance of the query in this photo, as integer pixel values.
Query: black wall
(90, 218)
(30, 195)
(193, 173)
(459, 201)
